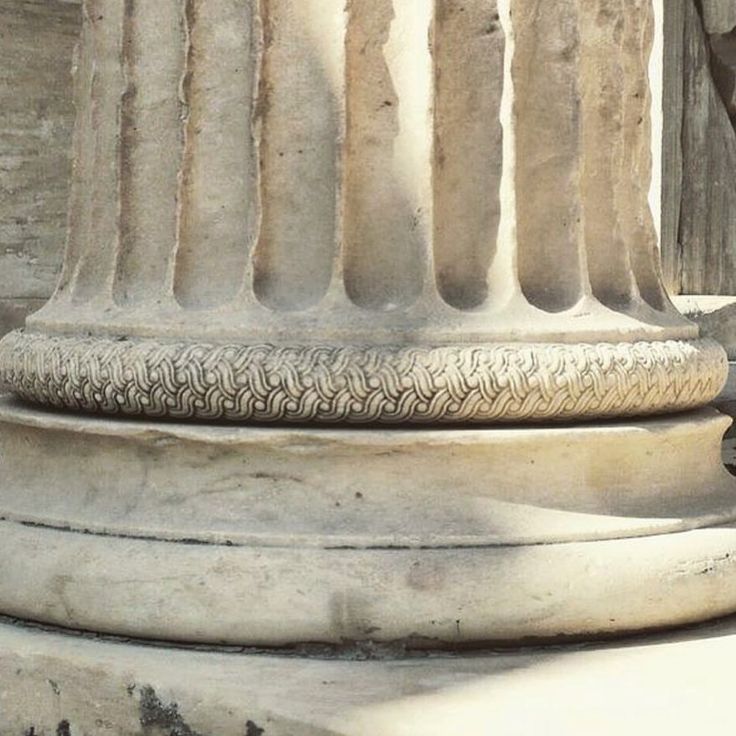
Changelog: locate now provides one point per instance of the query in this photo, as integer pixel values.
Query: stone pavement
(673, 683)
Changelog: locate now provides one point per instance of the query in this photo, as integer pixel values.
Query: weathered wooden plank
(36, 43)
(699, 225)
(674, 53)
(723, 64)
(719, 16)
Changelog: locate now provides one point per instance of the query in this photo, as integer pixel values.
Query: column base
(273, 537)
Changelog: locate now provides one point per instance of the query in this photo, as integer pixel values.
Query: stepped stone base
(276, 536)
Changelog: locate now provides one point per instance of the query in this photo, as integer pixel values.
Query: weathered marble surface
(265, 229)
(273, 236)
(36, 114)
(273, 536)
(34, 182)
(671, 684)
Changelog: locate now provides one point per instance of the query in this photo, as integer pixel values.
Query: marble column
(385, 212)
(321, 214)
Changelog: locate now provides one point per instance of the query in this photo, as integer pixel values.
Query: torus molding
(393, 385)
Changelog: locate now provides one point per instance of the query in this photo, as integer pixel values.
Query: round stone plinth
(271, 537)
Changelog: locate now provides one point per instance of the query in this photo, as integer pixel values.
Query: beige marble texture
(279, 235)
(275, 536)
(419, 230)
(675, 684)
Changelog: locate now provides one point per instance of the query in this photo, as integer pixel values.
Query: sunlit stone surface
(391, 214)
(381, 212)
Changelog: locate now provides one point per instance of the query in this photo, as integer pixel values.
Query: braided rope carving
(266, 383)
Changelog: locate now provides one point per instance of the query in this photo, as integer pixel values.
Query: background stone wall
(37, 39)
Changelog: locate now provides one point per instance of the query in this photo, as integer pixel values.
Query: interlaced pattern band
(338, 384)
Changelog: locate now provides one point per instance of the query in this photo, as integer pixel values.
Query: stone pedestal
(415, 237)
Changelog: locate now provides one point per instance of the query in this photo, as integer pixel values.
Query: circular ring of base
(278, 597)
(273, 536)
(362, 385)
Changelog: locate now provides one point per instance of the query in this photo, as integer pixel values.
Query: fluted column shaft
(398, 210)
